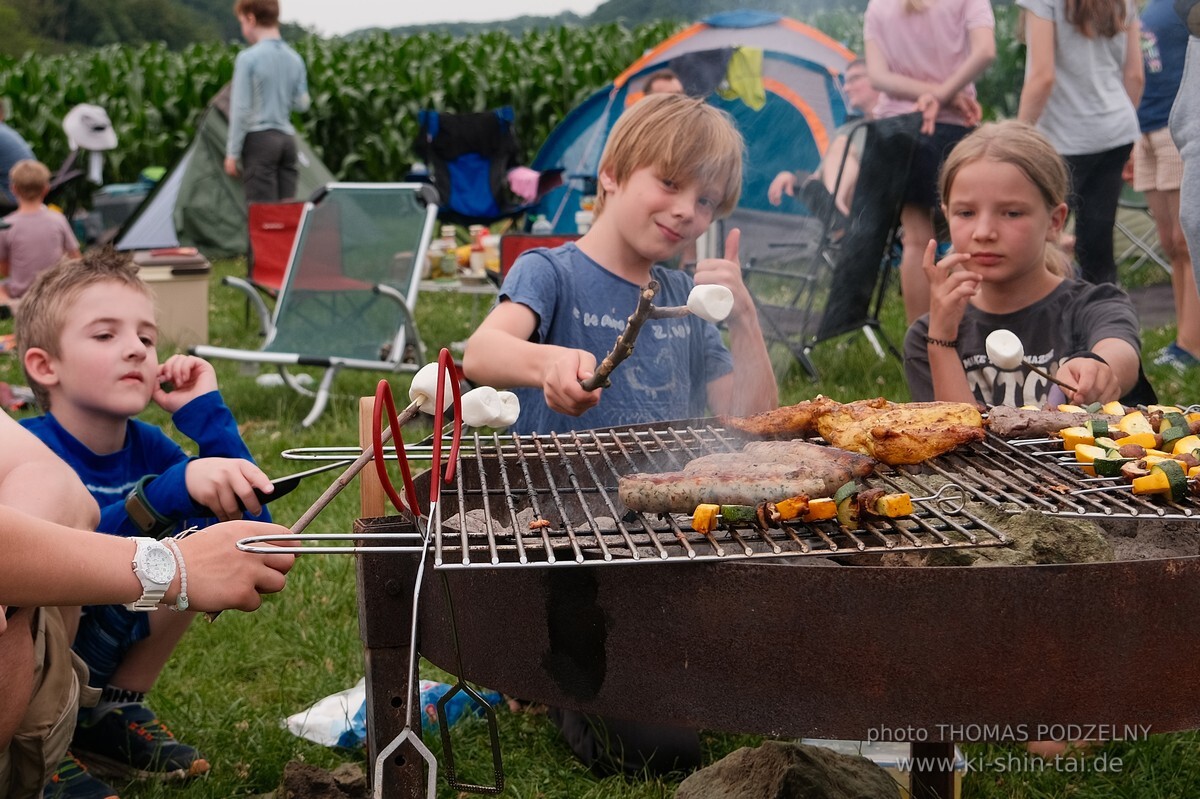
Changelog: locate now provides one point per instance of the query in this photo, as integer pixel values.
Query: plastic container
(583, 221)
(542, 226)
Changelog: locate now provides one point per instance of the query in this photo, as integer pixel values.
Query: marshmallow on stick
(1004, 349)
(482, 407)
(424, 389)
(710, 302)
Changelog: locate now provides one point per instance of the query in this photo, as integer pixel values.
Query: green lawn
(233, 681)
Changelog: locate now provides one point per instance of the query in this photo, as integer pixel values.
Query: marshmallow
(424, 389)
(511, 409)
(1004, 349)
(481, 407)
(710, 302)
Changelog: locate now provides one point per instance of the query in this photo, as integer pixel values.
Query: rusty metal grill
(552, 501)
(1040, 475)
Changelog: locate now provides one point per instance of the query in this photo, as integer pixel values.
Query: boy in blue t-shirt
(86, 334)
(671, 166)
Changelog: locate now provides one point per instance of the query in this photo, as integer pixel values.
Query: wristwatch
(142, 513)
(154, 565)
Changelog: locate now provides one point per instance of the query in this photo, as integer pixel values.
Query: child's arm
(1134, 69)
(751, 387)
(36, 481)
(950, 290)
(500, 354)
(1039, 72)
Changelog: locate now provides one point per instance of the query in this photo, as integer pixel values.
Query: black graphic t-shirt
(1070, 319)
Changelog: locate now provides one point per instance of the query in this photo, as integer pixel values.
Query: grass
(232, 682)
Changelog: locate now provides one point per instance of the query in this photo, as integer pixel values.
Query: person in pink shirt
(36, 237)
(924, 55)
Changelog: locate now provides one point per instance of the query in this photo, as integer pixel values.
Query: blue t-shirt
(13, 148)
(1164, 49)
(581, 305)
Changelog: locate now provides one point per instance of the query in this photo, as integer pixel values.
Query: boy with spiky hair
(87, 338)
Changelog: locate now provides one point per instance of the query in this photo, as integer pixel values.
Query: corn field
(366, 92)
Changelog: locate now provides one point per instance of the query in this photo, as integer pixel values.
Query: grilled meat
(790, 421)
(745, 478)
(901, 433)
(1010, 423)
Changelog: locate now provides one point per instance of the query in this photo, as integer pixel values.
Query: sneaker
(71, 780)
(1177, 358)
(130, 741)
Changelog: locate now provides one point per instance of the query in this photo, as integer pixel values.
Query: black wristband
(142, 513)
(1085, 354)
(941, 342)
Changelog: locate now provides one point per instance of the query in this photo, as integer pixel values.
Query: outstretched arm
(1039, 72)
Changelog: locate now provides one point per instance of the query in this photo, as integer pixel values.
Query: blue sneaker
(130, 741)
(1177, 358)
(71, 780)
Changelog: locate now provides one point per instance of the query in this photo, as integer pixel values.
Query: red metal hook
(445, 365)
(383, 398)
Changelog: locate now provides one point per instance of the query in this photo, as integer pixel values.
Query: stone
(782, 770)
(306, 781)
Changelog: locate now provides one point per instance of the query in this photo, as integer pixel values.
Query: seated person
(816, 190)
(1003, 190)
(86, 334)
(664, 81)
(47, 559)
(36, 237)
(672, 165)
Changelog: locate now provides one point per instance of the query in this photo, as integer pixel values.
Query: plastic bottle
(446, 267)
(478, 258)
(542, 226)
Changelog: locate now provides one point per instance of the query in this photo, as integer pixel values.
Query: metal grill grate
(1040, 475)
(552, 501)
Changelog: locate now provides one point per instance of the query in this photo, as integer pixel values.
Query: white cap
(88, 128)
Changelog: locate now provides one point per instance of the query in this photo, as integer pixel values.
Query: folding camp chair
(1136, 225)
(272, 230)
(835, 282)
(469, 157)
(351, 283)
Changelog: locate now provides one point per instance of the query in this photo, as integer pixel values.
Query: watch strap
(152, 592)
(142, 513)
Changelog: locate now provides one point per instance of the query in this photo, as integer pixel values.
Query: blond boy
(37, 237)
(86, 334)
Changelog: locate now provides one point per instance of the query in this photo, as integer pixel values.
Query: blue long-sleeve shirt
(269, 82)
(148, 450)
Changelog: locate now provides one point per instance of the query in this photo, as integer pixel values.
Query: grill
(748, 639)
(504, 485)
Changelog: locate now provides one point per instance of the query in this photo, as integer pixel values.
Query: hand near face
(727, 272)
(226, 486)
(951, 287)
(560, 382)
(188, 376)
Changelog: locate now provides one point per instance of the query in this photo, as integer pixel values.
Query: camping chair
(469, 157)
(272, 230)
(347, 297)
(838, 280)
(1136, 224)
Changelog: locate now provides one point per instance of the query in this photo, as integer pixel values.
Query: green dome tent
(196, 204)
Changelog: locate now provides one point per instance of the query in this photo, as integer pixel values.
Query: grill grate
(552, 501)
(1040, 475)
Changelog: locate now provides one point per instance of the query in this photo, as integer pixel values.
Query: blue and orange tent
(787, 110)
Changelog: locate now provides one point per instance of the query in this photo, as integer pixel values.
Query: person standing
(1083, 81)
(1185, 129)
(1157, 171)
(269, 82)
(937, 80)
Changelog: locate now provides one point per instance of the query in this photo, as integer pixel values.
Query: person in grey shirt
(1185, 129)
(13, 148)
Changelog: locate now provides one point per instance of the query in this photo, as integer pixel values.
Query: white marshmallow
(511, 409)
(481, 407)
(424, 388)
(710, 302)
(1004, 349)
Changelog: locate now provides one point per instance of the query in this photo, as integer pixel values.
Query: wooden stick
(1052, 379)
(624, 346)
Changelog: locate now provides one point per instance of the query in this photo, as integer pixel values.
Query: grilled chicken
(789, 421)
(901, 433)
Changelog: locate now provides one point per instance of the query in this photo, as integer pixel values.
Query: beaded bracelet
(181, 602)
(941, 342)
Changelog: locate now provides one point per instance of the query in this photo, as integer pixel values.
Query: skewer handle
(1052, 378)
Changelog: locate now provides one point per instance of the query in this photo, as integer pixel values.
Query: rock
(780, 770)
(306, 781)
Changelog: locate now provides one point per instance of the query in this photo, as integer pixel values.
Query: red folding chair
(272, 230)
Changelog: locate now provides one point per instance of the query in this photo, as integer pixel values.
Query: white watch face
(158, 565)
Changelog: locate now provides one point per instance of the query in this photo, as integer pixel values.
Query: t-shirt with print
(1070, 319)
(1164, 49)
(581, 305)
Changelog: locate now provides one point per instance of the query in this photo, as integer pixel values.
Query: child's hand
(969, 107)
(221, 483)
(1095, 380)
(188, 376)
(784, 183)
(560, 381)
(727, 272)
(929, 106)
(950, 289)
(221, 576)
